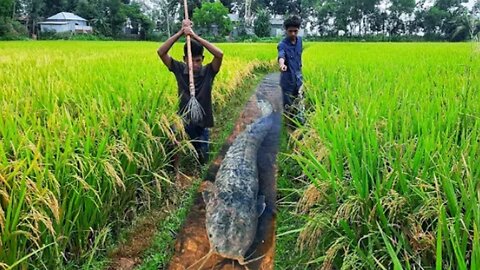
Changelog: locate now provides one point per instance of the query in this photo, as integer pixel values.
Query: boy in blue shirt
(290, 64)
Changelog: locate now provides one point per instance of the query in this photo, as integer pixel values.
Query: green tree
(476, 18)
(262, 23)
(10, 28)
(6, 8)
(163, 16)
(54, 6)
(191, 6)
(35, 10)
(6, 12)
(211, 14)
(230, 4)
(399, 9)
(378, 22)
(325, 12)
(307, 11)
(433, 19)
(457, 26)
(140, 22)
(115, 17)
(89, 9)
(447, 19)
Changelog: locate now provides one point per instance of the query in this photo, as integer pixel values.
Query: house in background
(65, 22)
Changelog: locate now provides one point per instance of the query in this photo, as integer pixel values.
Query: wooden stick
(194, 108)
(189, 55)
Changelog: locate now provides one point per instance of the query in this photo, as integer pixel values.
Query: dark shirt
(292, 53)
(203, 89)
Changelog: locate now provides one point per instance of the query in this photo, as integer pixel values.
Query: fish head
(228, 231)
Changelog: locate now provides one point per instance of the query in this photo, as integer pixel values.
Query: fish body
(232, 202)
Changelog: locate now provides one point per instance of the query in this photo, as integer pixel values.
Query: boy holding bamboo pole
(194, 84)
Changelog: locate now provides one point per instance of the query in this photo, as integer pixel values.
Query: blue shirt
(292, 53)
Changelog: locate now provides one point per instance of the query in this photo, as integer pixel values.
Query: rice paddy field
(390, 160)
(384, 175)
(85, 130)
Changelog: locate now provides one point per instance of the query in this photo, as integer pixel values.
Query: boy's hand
(188, 31)
(187, 28)
(187, 23)
(283, 67)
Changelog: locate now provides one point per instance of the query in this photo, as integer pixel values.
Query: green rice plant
(400, 124)
(86, 137)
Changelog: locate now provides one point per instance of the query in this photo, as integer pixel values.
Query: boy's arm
(217, 53)
(163, 50)
(281, 57)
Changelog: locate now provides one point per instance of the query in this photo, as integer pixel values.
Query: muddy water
(192, 243)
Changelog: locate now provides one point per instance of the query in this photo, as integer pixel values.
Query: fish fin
(261, 205)
(208, 192)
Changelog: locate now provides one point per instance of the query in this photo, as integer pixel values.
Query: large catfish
(233, 205)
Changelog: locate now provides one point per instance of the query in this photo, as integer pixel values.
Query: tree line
(450, 20)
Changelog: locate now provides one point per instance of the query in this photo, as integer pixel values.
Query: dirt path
(128, 256)
(192, 242)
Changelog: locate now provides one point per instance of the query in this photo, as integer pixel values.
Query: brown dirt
(127, 256)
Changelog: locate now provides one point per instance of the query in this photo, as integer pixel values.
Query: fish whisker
(204, 258)
(252, 260)
(251, 254)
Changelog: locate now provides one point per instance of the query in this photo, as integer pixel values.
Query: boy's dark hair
(197, 48)
(293, 21)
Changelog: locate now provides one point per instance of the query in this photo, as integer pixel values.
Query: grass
(289, 222)
(85, 129)
(390, 154)
(79, 132)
